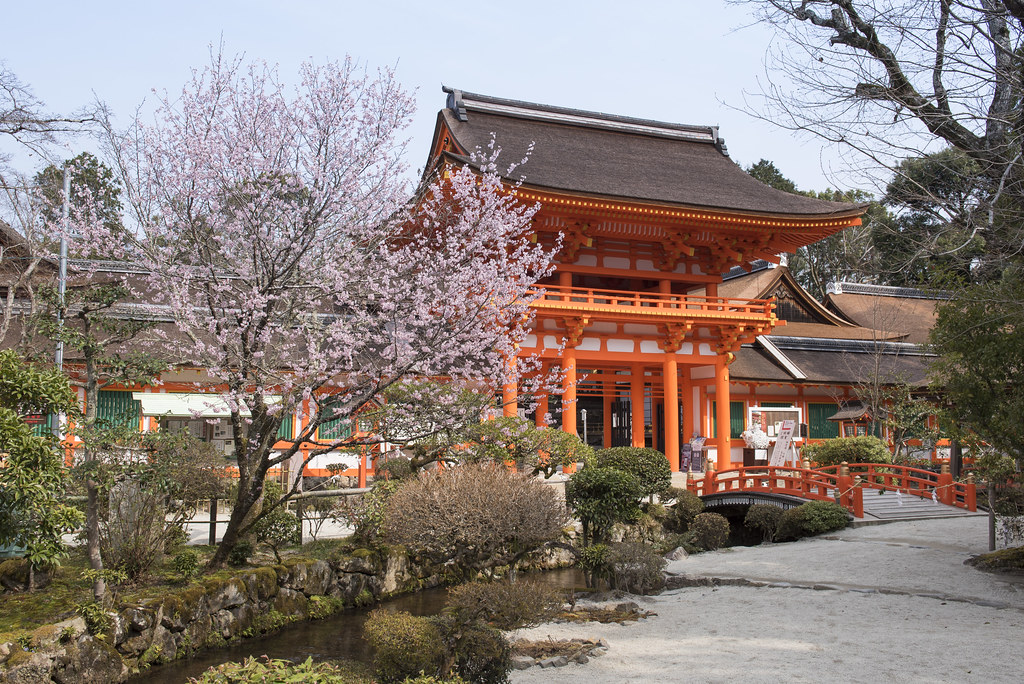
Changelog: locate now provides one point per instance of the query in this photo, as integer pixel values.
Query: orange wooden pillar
(670, 372)
(636, 401)
(541, 410)
(722, 440)
(569, 391)
(509, 399)
(687, 387)
(510, 391)
(569, 398)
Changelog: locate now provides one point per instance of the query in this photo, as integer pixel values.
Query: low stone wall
(208, 614)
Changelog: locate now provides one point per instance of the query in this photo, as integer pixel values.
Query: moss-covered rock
(291, 603)
(231, 594)
(262, 583)
(1010, 561)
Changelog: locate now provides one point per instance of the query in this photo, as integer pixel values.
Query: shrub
(649, 466)
(791, 525)
(393, 468)
(813, 517)
(477, 517)
(602, 497)
(636, 568)
(764, 518)
(671, 495)
(484, 656)
(593, 561)
(277, 529)
(241, 553)
(824, 516)
(404, 645)
(850, 449)
(710, 531)
(252, 670)
(366, 513)
(176, 536)
(504, 605)
(431, 679)
(97, 621)
(144, 503)
(186, 564)
(687, 507)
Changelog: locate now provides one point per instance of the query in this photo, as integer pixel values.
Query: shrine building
(656, 222)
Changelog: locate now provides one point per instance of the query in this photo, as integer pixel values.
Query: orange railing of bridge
(843, 483)
(555, 296)
(913, 481)
(803, 483)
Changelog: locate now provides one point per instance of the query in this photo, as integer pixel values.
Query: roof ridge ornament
(455, 102)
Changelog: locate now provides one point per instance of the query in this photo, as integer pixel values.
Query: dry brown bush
(475, 517)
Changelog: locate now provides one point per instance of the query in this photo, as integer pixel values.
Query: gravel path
(873, 604)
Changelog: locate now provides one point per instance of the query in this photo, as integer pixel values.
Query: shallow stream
(339, 636)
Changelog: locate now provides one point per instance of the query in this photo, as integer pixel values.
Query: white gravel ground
(893, 603)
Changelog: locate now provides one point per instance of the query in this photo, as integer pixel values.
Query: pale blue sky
(682, 61)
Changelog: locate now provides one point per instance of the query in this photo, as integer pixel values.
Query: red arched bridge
(845, 484)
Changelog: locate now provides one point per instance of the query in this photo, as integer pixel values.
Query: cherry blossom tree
(275, 226)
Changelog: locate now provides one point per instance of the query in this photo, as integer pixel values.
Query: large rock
(88, 660)
(231, 595)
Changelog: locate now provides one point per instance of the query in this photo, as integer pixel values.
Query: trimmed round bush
(824, 516)
(649, 466)
(813, 517)
(482, 653)
(404, 645)
(602, 497)
(850, 449)
(687, 507)
(763, 518)
(791, 525)
(710, 531)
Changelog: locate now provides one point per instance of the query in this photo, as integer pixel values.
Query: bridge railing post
(844, 485)
(710, 481)
(971, 493)
(945, 486)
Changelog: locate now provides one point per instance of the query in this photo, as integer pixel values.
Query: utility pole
(62, 282)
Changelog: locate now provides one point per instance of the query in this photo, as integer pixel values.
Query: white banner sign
(783, 443)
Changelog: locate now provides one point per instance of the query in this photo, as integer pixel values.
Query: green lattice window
(335, 428)
(777, 404)
(287, 429)
(117, 408)
(818, 425)
(737, 420)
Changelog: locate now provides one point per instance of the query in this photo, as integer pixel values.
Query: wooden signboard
(783, 443)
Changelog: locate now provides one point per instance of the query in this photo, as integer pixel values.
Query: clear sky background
(685, 61)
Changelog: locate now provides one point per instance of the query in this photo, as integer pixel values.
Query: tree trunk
(241, 515)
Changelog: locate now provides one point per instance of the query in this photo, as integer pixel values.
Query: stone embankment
(207, 614)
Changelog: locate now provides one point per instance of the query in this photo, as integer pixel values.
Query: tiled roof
(618, 157)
